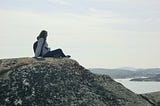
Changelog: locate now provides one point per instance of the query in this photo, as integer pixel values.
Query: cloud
(76, 33)
(102, 1)
(60, 2)
(100, 13)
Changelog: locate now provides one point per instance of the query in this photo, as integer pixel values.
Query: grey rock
(60, 82)
(153, 98)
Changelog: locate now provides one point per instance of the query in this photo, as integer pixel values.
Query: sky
(96, 33)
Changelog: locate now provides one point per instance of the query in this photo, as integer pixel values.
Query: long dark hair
(43, 34)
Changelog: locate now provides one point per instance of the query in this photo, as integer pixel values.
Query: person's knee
(59, 50)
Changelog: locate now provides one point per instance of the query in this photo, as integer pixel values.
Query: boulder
(60, 82)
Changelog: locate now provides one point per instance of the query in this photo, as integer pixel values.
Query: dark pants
(58, 53)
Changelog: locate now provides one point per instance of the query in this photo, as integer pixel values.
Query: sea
(140, 87)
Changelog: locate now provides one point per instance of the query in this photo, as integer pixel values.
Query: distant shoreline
(140, 87)
(155, 78)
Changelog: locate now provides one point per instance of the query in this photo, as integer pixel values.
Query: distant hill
(114, 73)
(127, 73)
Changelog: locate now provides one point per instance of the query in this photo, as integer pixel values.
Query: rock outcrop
(60, 82)
(153, 98)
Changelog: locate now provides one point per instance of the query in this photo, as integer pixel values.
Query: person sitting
(41, 49)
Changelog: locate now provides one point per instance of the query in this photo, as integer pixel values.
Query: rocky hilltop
(128, 72)
(60, 82)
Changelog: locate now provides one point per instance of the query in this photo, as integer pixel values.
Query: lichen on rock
(60, 82)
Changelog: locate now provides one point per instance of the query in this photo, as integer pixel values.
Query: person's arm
(46, 47)
(39, 47)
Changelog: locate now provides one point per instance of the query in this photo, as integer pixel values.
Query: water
(140, 87)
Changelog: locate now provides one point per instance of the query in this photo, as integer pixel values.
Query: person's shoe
(67, 56)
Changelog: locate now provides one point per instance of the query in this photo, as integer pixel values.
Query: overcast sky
(96, 33)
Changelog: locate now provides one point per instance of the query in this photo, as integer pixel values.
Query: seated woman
(41, 49)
